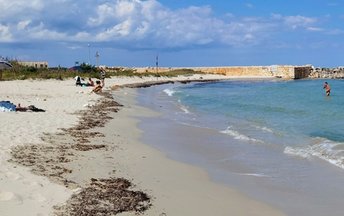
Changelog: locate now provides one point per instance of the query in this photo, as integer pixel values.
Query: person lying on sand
(31, 108)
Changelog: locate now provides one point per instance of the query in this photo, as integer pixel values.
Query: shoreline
(177, 188)
(93, 148)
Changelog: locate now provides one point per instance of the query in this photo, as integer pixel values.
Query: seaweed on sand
(105, 197)
(102, 196)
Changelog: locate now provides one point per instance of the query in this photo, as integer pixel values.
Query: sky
(182, 33)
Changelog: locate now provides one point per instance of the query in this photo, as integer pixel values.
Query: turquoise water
(293, 114)
(278, 141)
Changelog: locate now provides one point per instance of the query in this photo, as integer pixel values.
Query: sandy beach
(83, 156)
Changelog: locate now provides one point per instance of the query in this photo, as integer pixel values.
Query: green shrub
(19, 72)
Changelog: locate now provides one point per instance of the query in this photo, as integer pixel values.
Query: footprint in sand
(38, 197)
(7, 196)
(32, 184)
(13, 176)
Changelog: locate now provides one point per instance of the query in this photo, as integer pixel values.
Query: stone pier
(280, 71)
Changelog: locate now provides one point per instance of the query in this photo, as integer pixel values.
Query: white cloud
(39, 32)
(104, 12)
(122, 8)
(315, 29)
(9, 8)
(151, 21)
(5, 35)
(82, 36)
(299, 21)
(22, 25)
(120, 30)
(138, 24)
(47, 34)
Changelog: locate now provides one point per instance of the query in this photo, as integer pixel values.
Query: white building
(42, 64)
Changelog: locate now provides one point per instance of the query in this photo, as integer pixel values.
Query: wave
(254, 175)
(169, 92)
(238, 136)
(265, 129)
(184, 109)
(332, 152)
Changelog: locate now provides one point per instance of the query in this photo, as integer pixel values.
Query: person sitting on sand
(90, 82)
(327, 89)
(78, 81)
(98, 87)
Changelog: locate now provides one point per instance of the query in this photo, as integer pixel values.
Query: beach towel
(7, 106)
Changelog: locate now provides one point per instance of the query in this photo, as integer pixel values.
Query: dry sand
(80, 167)
(21, 192)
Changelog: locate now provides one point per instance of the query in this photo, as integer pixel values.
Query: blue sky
(182, 32)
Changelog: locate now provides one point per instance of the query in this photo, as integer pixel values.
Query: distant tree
(87, 67)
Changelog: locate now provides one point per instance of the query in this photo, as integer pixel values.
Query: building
(42, 64)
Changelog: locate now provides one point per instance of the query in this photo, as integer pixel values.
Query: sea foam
(238, 136)
(184, 109)
(169, 92)
(254, 175)
(264, 129)
(327, 150)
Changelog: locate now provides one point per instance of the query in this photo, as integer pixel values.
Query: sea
(277, 141)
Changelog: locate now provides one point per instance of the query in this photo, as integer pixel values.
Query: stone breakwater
(327, 73)
(280, 71)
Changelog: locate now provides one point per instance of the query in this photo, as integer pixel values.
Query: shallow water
(281, 142)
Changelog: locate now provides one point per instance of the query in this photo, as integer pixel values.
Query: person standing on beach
(327, 88)
(102, 76)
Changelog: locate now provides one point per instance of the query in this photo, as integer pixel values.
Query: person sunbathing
(29, 108)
